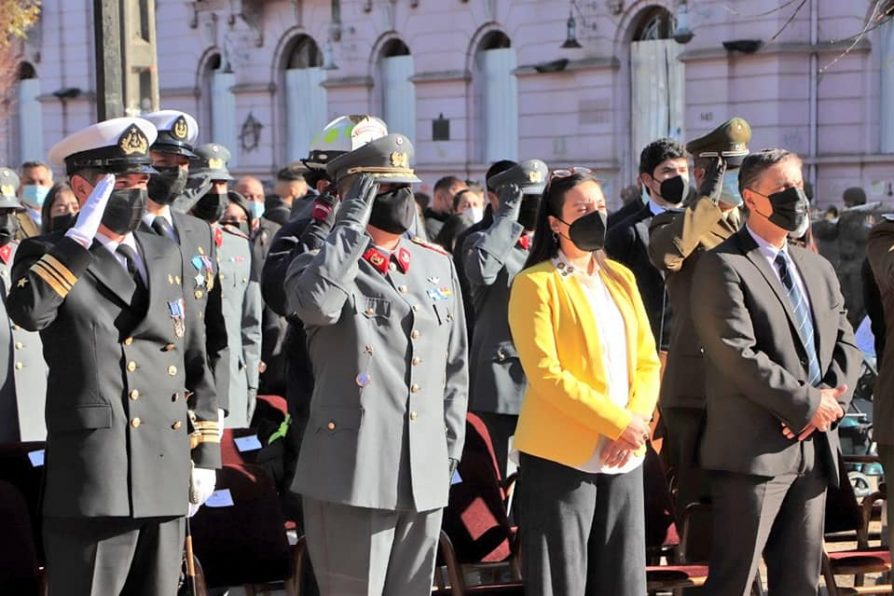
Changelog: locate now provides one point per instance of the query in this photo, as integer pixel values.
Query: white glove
(90, 215)
(220, 423)
(201, 485)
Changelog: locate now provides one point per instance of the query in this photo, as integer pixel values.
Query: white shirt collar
(112, 245)
(165, 212)
(768, 250)
(655, 208)
(566, 268)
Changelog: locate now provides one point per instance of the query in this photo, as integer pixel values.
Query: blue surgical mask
(257, 209)
(644, 196)
(34, 195)
(730, 193)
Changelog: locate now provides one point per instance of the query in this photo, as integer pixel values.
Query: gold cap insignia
(215, 163)
(7, 190)
(535, 176)
(399, 159)
(180, 129)
(133, 141)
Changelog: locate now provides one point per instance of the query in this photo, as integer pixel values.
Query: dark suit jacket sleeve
(725, 328)
(619, 241)
(673, 235)
(485, 253)
(43, 274)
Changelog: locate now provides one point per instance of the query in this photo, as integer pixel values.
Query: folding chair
(21, 465)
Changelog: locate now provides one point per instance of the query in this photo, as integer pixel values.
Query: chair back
(19, 571)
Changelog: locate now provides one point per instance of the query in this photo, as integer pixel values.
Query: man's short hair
(446, 182)
(758, 162)
(658, 151)
(33, 164)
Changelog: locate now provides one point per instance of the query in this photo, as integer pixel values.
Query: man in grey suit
(780, 357)
(387, 342)
(491, 259)
(23, 372)
(122, 354)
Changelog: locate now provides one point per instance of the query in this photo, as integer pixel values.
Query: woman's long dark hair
(46, 210)
(546, 245)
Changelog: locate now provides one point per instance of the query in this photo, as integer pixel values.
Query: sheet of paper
(36, 457)
(456, 478)
(249, 443)
(220, 498)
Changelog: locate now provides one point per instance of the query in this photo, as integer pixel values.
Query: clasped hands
(618, 452)
(828, 412)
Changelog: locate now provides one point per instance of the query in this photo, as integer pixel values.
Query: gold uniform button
(15, 327)
(19, 366)
(172, 370)
(19, 345)
(177, 425)
(415, 308)
(415, 334)
(414, 388)
(168, 347)
(128, 341)
(402, 289)
(135, 423)
(331, 425)
(370, 312)
(134, 394)
(199, 294)
(413, 415)
(131, 366)
(416, 361)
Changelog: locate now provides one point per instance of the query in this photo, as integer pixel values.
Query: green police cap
(729, 141)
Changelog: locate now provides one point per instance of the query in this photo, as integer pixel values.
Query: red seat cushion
(676, 573)
(867, 557)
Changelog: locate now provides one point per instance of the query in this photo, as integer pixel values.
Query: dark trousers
(99, 556)
(781, 517)
(683, 434)
(501, 428)
(582, 534)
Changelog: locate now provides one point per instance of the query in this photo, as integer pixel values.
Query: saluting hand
(510, 201)
(712, 184)
(357, 205)
(90, 215)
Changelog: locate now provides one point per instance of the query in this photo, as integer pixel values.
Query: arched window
(219, 104)
(398, 95)
(305, 95)
(497, 98)
(29, 120)
(657, 80)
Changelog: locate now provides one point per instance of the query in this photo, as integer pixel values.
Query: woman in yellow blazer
(587, 350)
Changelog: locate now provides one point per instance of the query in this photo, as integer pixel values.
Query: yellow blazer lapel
(579, 304)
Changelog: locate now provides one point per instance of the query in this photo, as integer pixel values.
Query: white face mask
(475, 214)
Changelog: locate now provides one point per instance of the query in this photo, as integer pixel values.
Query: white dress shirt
(613, 340)
(769, 252)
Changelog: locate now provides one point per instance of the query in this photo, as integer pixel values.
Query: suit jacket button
(331, 425)
(19, 366)
(177, 424)
(135, 423)
(134, 394)
(415, 334)
(131, 366)
(413, 415)
(172, 370)
(128, 341)
(414, 388)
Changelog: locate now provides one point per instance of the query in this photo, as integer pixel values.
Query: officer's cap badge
(180, 129)
(400, 159)
(133, 141)
(7, 190)
(535, 176)
(215, 163)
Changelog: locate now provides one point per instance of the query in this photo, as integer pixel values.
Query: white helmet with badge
(343, 135)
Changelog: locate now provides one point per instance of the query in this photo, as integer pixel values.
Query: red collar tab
(525, 242)
(218, 236)
(5, 253)
(402, 256)
(377, 259)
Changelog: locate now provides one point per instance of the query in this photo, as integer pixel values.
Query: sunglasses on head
(567, 173)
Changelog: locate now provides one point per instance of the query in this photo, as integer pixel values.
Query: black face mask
(168, 184)
(394, 211)
(527, 213)
(211, 206)
(124, 210)
(588, 232)
(674, 190)
(9, 226)
(791, 210)
(62, 222)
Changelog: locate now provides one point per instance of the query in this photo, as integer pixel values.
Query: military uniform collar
(6, 253)
(382, 260)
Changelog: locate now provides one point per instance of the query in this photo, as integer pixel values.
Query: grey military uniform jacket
(241, 300)
(491, 259)
(388, 350)
(116, 413)
(23, 376)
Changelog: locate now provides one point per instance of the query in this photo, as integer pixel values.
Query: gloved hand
(510, 201)
(322, 217)
(357, 205)
(712, 183)
(220, 423)
(201, 485)
(90, 215)
(196, 188)
(324, 208)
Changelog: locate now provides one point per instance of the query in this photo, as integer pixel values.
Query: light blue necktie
(802, 318)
